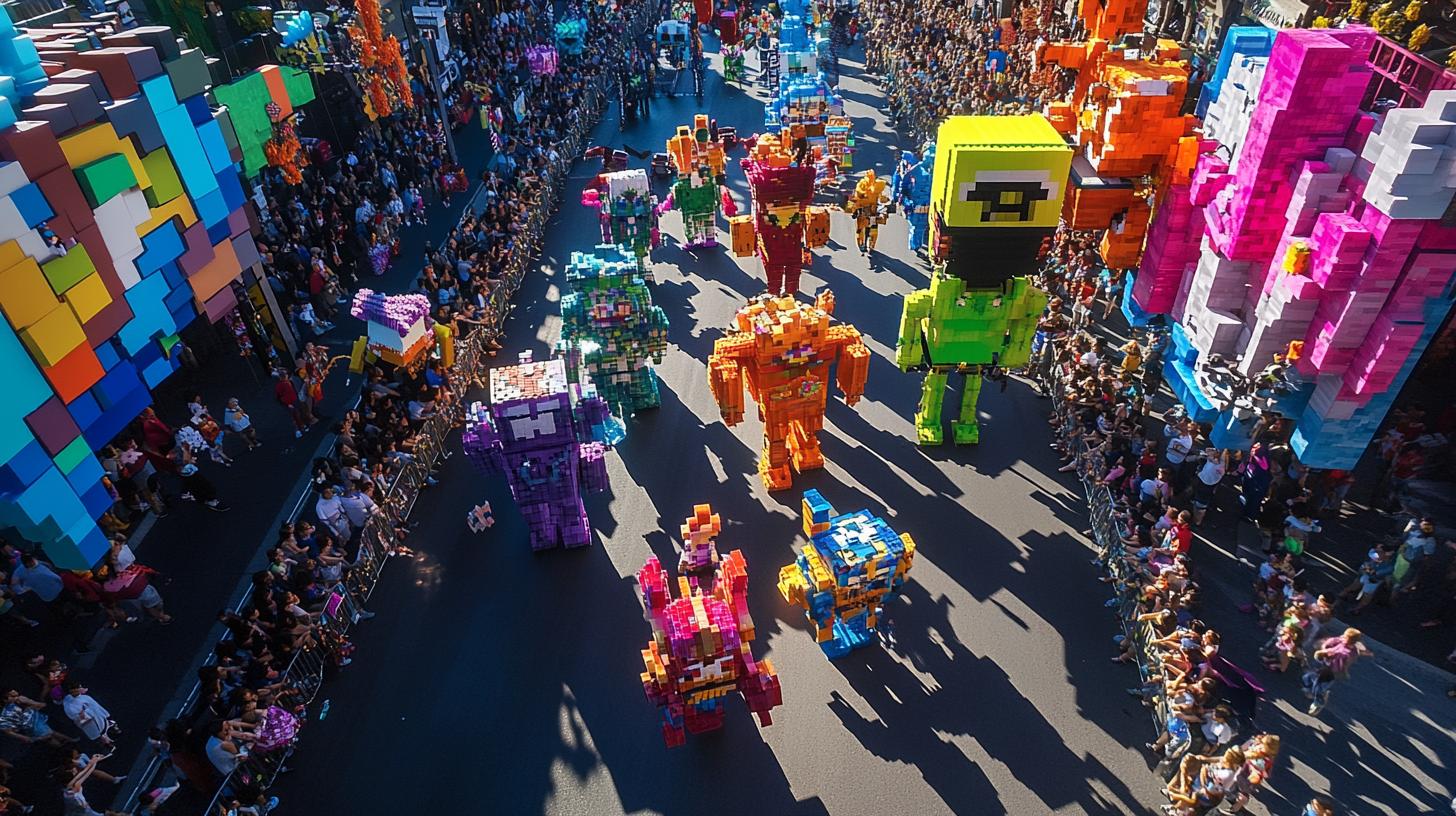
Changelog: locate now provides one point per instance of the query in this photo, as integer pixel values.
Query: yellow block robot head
(999, 171)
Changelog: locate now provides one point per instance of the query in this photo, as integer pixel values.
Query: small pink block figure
(700, 541)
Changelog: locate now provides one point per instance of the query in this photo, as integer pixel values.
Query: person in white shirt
(1210, 474)
(331, 513)
(235, 419)
(90, 717)
(358, 507)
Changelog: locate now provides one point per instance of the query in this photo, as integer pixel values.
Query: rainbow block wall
(1366, 195)
(110, 148)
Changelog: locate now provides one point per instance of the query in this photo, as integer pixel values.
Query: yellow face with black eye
(999, 171)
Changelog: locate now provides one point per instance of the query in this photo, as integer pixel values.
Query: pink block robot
(699, 654)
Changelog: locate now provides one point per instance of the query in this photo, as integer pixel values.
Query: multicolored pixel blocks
(611, 329)
(700, 651)
(548, 437)
(782, 350)
(1322, 237)
(398, 325)
(1125, 116)
(628, 212)
(842, 578)
(123, 218)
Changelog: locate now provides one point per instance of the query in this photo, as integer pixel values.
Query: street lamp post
(426, 40)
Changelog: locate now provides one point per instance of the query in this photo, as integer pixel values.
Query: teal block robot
(996, 196)
(610, 330)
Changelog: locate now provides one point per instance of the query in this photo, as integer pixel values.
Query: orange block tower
(1125, 119)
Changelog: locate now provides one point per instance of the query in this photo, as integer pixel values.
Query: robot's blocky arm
(1026, 308)
(481, 441)
(909, 352)
(725, 376)
(760, 687)
(593, 467)
(854, 361)
(744, 235)
(793, 584)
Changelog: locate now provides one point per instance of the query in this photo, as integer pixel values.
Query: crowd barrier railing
(1102, 515)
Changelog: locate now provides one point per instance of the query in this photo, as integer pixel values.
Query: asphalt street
(495, 680)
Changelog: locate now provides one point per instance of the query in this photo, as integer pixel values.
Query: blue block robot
(852, 565)
(910, 188)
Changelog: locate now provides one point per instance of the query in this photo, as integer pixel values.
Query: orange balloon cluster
(284, 152)
(381, 63)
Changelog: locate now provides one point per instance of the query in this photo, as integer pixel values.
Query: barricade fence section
(1102, 515)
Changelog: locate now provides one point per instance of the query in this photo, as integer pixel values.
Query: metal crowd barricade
(1101, 511)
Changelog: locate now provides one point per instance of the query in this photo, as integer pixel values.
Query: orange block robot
(693, 147)
(1125, 117)
(782, 350)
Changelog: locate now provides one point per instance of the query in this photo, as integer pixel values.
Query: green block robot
(996, 195)
(700, 190)
(610, 331)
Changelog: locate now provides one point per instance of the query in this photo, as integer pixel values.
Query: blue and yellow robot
(910, 189)
(996, 197)
(842, 578)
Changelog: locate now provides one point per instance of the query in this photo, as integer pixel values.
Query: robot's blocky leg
(967, 428)
(705, 716)
(804, 448)
(542, 525)
(775, 275)
(928, 430)
(849, 635)
(791, 280)
(773, 465)
(919, 230)
(874, 236)
(644, 390)
(575, 528)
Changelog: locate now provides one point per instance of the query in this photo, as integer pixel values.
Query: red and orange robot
(783, 227)
(700, 651)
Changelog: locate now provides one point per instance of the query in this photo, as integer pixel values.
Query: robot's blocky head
(773, 178)
(531, 404)
(785, 331)
(863, 558)
(867, 191)
(697, 636)
(999, 171)
(610, 283)
(996, 194)
(701, 527)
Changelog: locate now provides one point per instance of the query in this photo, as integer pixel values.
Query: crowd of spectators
(941, 58)
(1159, 480)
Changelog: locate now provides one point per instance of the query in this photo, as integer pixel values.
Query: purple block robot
(550, 440)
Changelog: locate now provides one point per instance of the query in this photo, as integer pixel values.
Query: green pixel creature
(699, 192)
(610, 331)
(996, 195)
